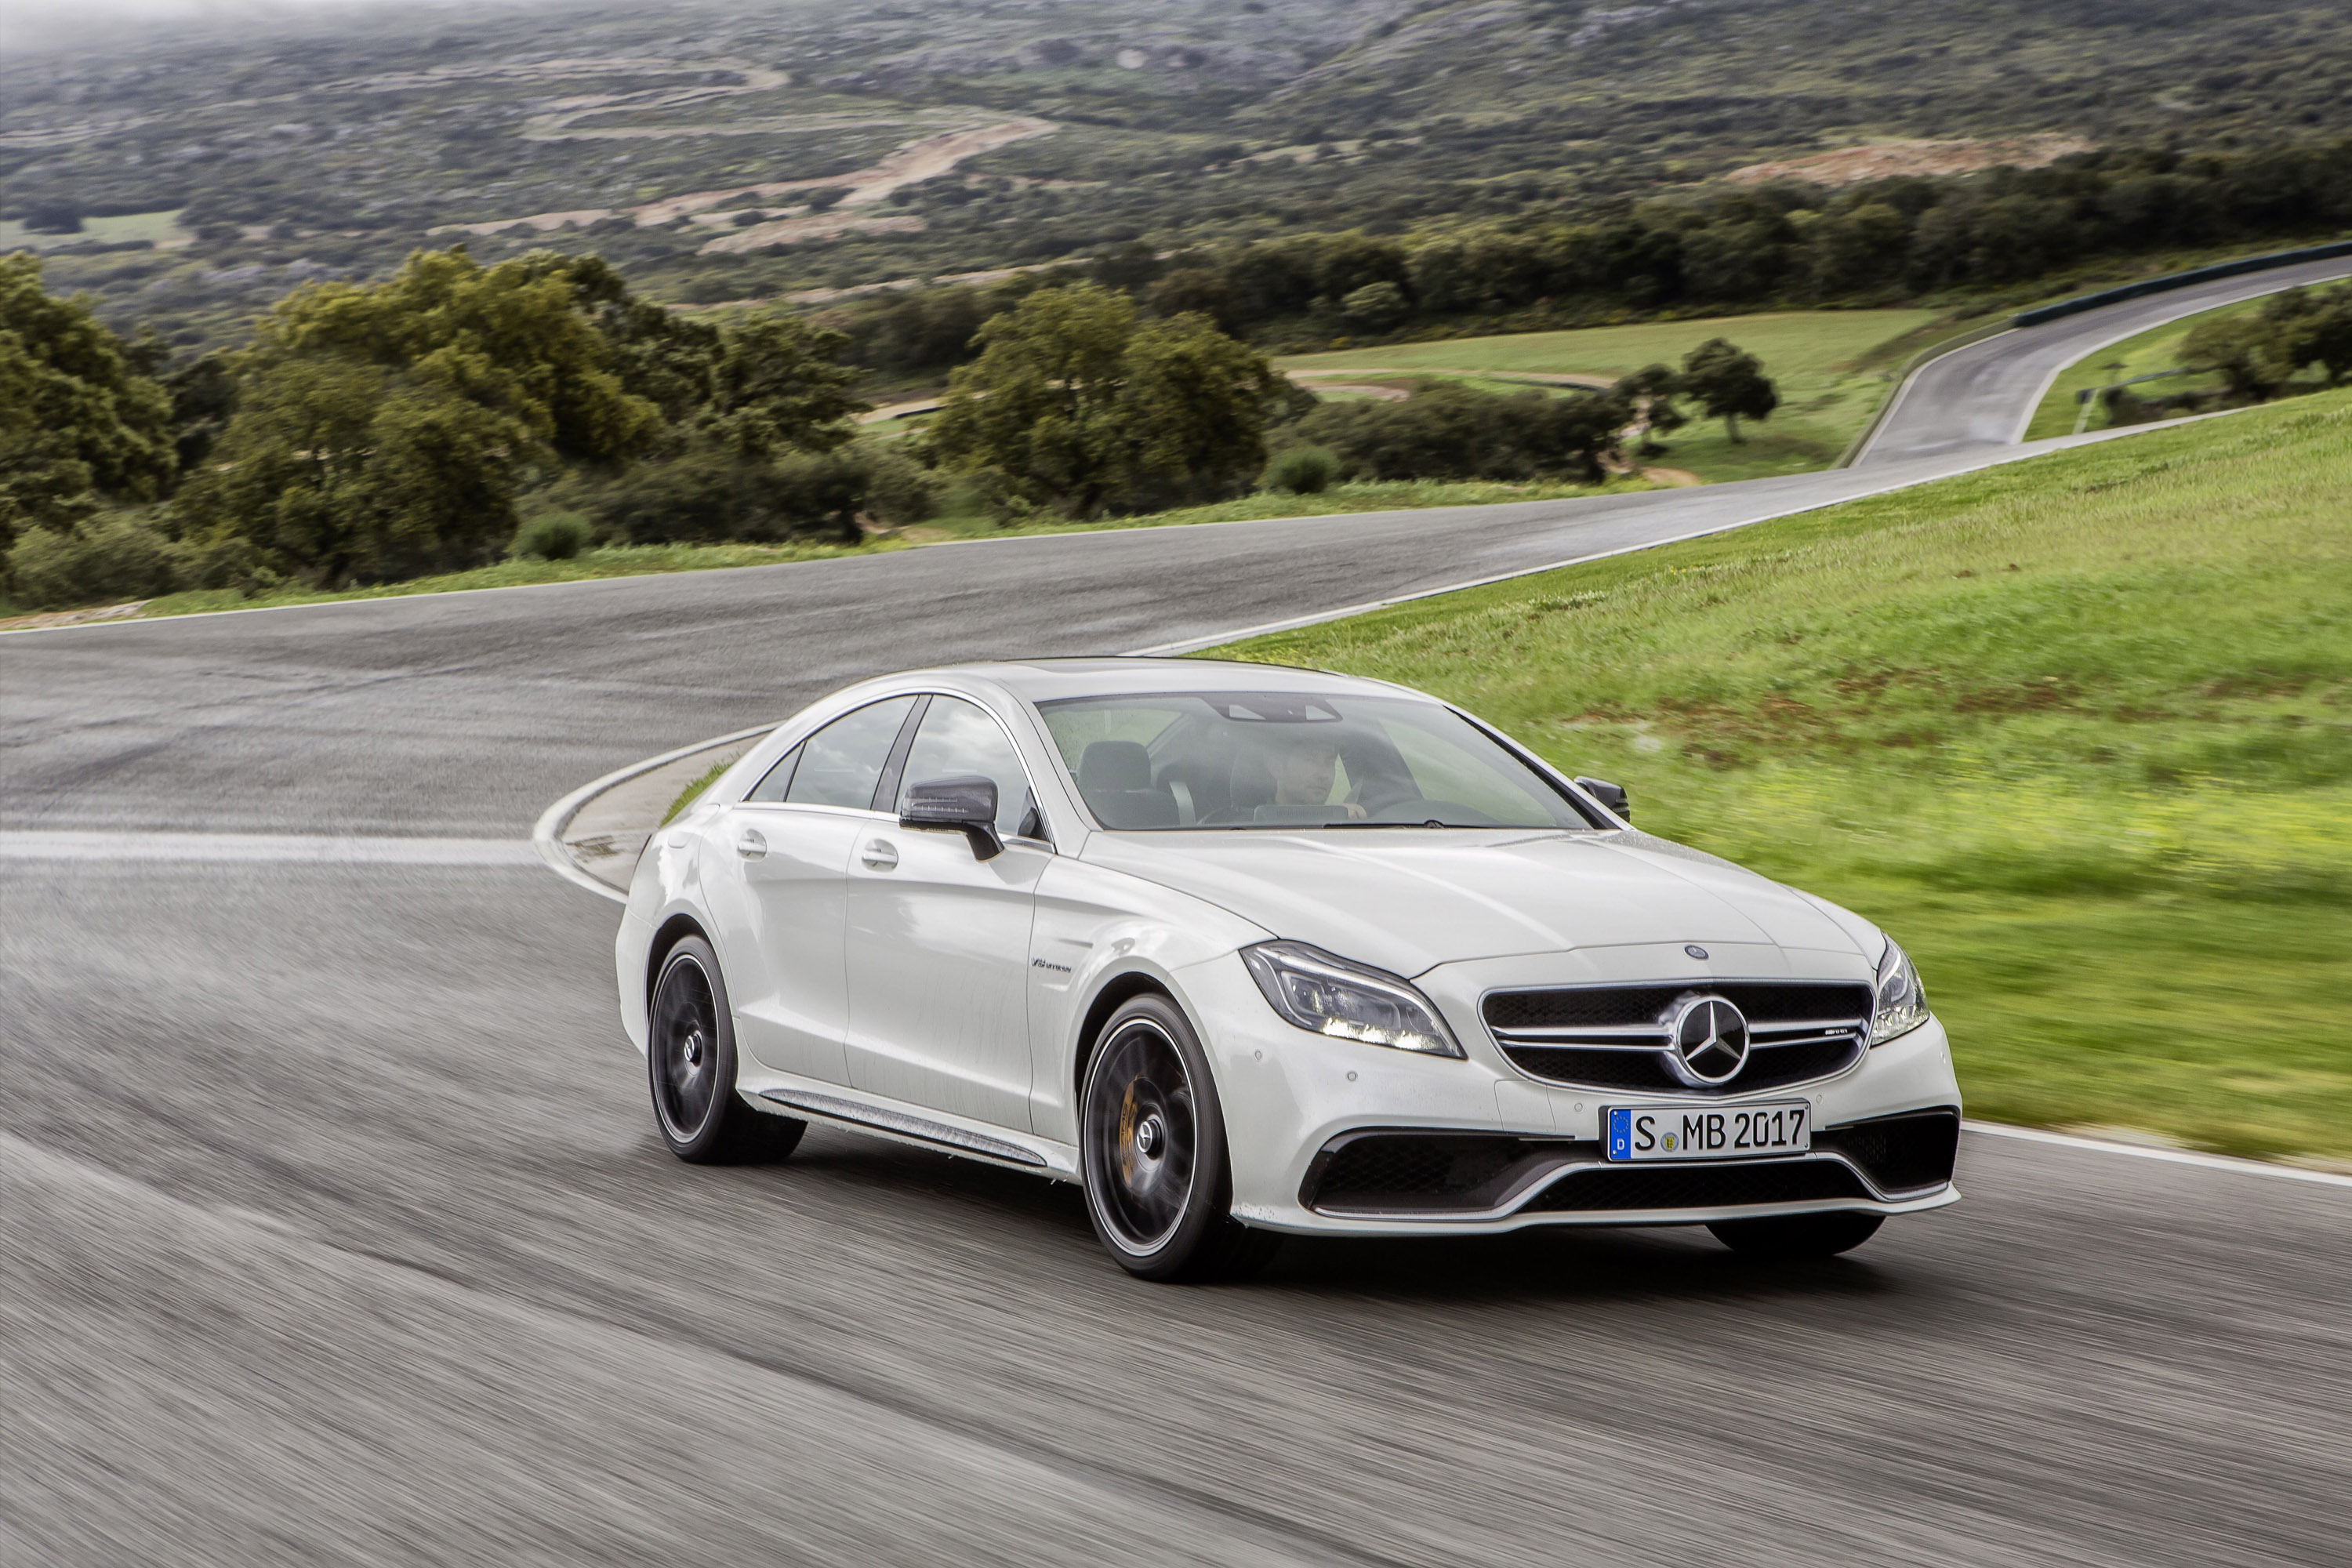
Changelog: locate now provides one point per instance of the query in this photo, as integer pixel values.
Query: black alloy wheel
(1793, 1237)
(691, 1060)
(1153, 1145)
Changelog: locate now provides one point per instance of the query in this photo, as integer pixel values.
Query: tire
(1791, 1237)
(690, 1067)
(1151, 1142)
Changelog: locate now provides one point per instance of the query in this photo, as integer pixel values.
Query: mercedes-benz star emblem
(1709, 1042)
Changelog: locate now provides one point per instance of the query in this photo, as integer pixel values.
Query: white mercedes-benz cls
(1248, 951)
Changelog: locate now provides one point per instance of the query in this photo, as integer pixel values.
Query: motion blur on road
(335, 1226)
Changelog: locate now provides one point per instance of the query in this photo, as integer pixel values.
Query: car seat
(1115, 777)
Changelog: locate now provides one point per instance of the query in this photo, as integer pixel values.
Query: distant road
(333, 1226)
(1984, 395)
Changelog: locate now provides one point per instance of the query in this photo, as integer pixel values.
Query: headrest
(1114, 765)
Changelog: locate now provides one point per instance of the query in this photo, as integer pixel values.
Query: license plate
(1682, 1133)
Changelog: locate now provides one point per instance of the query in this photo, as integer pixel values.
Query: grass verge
(613, 561)
(1391, 495)
(2077, 730)
(693, 791)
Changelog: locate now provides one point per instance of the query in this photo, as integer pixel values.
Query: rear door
(938, 939)
(786, 847)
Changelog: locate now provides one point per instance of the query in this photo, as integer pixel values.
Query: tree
(1729, 384)
(1650, 393)
(518, 338)
(79, 419)
(2243, 351)
(337, 471)
(1861, 247)
(1195, 404)
(1199, 291)
(2313, 329)
(1376, 306)
(774, 384)
(1072, 406)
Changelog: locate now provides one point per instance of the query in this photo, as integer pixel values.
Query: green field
(2078, 731)
(1832, 368)
(155, 227)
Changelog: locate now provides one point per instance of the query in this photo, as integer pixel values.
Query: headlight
(1327, 995)
(1902, 1006)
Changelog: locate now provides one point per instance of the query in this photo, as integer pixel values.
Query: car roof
(1048, 679)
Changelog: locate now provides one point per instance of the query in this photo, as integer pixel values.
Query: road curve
(335, 1229)
(1984, 395)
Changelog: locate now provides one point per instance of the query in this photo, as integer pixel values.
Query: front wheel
(690, 1058)
(1788, 1237)
(1153, 1145)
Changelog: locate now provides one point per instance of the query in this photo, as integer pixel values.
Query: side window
(841, 763)
(959, 739)
(776, 780)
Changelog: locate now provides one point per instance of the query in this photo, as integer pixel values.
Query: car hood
(1408, 899)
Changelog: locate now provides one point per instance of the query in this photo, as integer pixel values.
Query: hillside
(2075, 730)
(190, 176)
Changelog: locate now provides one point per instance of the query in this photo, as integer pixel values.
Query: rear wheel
(1152, 1144)
(691, 1060)
(1791, 1237)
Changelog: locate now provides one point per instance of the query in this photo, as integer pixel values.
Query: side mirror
(1609, 794)
(966, 803)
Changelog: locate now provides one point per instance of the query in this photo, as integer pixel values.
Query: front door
(788, 844)
(938, 939)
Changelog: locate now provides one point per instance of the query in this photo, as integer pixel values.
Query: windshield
(1260, 759)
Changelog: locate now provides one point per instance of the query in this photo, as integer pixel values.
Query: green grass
(612, 560)
(1369, 495)
(2154, 350)
(692, 792)
(1833, 367)
(2077, 730)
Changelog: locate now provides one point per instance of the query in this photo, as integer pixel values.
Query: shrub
(103, 559)
(1302, 471)
(899, 490)
(1449, 432)
(1378, 306)
(552, 536)
(707, 496)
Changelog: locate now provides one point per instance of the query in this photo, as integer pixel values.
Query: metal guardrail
(2146, 286)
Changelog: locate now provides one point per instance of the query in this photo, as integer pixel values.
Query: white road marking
(255, 847)
(2170, 1156)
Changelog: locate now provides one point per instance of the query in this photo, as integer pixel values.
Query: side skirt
(905, 1127)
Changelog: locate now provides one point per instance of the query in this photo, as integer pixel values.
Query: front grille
(1907, 1154)
(1632, 1187)
(1768, 1066)
(1614, 1037)
(1764, 1000)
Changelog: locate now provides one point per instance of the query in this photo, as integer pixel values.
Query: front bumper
(1524, 1153)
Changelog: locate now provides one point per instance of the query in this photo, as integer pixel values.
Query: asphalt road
(333, 1226)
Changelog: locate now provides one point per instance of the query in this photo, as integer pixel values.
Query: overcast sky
(40, 23)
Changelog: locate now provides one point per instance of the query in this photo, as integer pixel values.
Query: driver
(1305, 766)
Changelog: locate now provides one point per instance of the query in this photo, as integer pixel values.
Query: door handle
(879, 855)
(751, 844)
